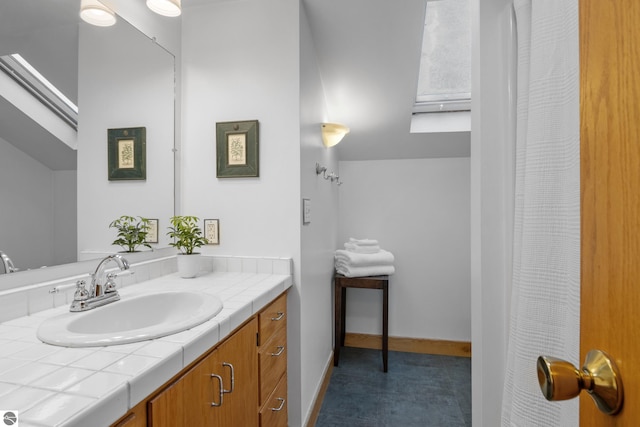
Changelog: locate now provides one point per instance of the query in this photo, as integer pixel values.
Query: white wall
(27, 231)
(319, 237)
(418, 210)
(241, 61)
(125, 80)
(65, 222)
(492, 148)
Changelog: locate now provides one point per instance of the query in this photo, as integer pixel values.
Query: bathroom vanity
(229, 370)
(248, 369)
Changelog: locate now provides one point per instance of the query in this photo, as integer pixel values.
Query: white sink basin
(132, 319)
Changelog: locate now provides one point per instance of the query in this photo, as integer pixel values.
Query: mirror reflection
(56, 199)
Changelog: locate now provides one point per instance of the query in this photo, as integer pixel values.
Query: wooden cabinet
(215, 392)
(274, 411)
(136, 417)
(272, 361)
(240, 382)
(236, 362)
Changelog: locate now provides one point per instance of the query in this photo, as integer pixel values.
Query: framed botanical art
(237, 149)
(127, 154)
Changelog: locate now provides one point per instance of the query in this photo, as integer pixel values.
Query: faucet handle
(110, 286)
(81, 293)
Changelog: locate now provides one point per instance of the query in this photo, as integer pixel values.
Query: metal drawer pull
(233, 379)
(280, 316)
(279, 408)
(213, 403)
(280, 350)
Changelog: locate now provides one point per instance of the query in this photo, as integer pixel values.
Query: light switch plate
(212, 231)
(306, 211)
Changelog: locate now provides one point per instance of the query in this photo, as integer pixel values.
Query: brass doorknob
(599, 376)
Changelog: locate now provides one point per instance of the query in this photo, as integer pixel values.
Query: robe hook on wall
(331, 176)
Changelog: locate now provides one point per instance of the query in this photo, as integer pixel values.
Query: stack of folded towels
(363, 257)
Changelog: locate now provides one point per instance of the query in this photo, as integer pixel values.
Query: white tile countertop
(94, 386)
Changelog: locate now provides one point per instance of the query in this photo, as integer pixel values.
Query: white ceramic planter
(188, 265)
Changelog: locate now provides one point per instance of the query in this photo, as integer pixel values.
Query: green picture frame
(127, 154)
(237, 149)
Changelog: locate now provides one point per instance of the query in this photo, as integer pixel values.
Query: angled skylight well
(35, 83)
(444, 83)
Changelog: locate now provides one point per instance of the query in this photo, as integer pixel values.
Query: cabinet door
(188, 401)
(164, 408)
(136, 417)
(236, 361)
(195, 399)
(131, 420)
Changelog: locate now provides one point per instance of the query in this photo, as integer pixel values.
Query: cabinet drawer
(273, 318)
(272, 359)
(274, 412)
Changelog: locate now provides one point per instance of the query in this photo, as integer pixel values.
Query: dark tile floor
(419, 390)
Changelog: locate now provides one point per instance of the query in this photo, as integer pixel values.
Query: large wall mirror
(56, 200)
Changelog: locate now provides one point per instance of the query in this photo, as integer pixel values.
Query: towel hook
(331, 176)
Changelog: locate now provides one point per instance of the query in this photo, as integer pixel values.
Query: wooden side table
(369, 282)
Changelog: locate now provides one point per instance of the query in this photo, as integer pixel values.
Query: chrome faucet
(7, 263)
(100, 292)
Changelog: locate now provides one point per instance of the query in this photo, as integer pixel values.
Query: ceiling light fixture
(95, 13)
(165, 7)
(332, 133)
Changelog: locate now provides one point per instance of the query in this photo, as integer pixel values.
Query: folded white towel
(364, 260)
(363, 242)
(374, 270)
(341, 265)
(352, 247)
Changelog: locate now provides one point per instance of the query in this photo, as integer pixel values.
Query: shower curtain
(545, 304)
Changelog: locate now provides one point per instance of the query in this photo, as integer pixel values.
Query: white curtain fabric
(545, 305)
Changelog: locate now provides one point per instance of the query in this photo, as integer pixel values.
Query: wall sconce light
(332, 133)
(165, 7)
(95, 13)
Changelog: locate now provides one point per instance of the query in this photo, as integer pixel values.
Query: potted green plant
(187, 237)
(132, 232)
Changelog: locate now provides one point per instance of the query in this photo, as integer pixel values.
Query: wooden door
(610, 181)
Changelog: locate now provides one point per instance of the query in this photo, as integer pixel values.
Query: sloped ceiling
(368, 52)
(369, 55)
(27, 135)
(46, 34)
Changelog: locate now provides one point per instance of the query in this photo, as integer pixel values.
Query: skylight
(445, 67)
(31, 80)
